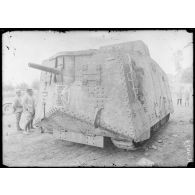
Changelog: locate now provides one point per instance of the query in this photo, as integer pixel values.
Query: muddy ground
(172, 145)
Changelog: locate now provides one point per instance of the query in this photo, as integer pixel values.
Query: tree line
(10, 87)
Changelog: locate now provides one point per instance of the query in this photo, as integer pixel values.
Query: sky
(22, 47)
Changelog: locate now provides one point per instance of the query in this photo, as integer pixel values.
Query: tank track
(130, 144)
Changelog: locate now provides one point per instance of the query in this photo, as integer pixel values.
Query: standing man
(187, 97)
(17, 108)
(29, 106)
(179, 97)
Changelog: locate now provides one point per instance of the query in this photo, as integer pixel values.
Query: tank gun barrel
(44, 68)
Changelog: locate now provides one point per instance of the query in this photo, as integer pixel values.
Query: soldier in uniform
(187, 97)
(18, 108)
(29, 110)
(179, 97)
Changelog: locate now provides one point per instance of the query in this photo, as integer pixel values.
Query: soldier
(187, 97)
(17, 108)
(179, 97)
(29, 108)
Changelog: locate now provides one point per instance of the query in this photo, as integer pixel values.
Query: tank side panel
(116, 114)
(151, 88)
(80, 101)
(164, 101)
(69, 69)
(135, 74)
(148, 99)
(157, 93)
(109, 94)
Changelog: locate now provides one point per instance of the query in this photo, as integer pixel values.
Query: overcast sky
(20, 48)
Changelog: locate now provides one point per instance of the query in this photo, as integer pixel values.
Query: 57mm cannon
(44, 68)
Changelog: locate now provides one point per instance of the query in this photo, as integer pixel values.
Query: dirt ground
(172, 145)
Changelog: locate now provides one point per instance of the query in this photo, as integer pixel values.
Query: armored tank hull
(117, 91)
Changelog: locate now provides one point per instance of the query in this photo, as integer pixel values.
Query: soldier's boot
(18, 127)
(31, 125)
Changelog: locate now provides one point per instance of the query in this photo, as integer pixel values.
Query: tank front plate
(97, 141)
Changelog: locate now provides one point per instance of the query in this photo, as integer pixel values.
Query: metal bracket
(97, 117)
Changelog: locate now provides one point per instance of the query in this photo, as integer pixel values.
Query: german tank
(117, 91)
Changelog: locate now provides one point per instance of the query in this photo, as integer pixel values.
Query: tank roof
(75, 53)
(136, 46)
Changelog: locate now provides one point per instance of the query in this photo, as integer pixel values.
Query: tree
(187, 75)
(22, 86)
(8, 87)
(178, 58)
